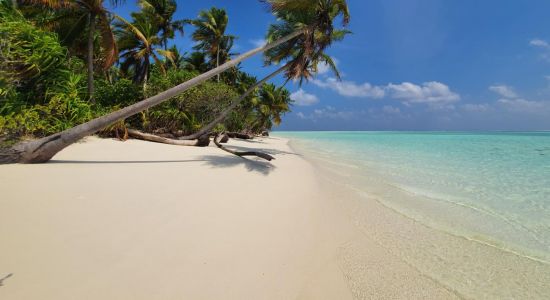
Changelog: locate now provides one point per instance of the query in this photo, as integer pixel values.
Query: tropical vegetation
(71, 68)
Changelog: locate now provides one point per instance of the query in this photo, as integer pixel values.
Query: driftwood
(243, 153)
(201, 142)
(237, 135)
(224, 138)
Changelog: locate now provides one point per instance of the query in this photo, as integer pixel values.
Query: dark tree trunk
(237, 135)
(218, 60)
(243, 153)
(90, 58)
(201, 142)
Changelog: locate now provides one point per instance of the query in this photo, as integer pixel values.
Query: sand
(137, 220)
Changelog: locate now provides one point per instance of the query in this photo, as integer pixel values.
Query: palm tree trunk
(42, 150)
(218, 61)
(91, 28)
(206, 129)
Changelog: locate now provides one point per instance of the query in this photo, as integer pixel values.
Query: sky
(412, 64)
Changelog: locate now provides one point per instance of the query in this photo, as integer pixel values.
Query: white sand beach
(137, 220)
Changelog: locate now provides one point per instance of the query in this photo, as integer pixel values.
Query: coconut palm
(196, 61)
(162, 12)
(273, 102)
(178, 60)
(98, 17)
(137, 43)
(210, 35)
(42, 150)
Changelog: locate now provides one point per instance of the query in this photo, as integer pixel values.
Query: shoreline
(467, 267)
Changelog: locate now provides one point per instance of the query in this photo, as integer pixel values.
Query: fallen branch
(243, 153)
(201, 142)
(237, 135)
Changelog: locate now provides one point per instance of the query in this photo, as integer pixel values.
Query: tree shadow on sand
(4, 278)
(54, 161)
(216, 161)
(266, 150)
(251, 165)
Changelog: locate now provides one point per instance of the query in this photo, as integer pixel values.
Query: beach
(137, 220)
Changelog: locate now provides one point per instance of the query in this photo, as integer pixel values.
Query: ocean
(492, 188)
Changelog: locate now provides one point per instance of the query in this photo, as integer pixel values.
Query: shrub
(64, 110)
(122, 92)
(188, 111)
(31, 60)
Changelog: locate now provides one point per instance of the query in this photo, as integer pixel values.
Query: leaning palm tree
(210, 34)
(300, 56)
(162, 13)
(137, 44)
(98, 17)
(42, 150)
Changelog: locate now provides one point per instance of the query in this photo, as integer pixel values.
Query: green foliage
(31, 61)
(121, 92)
(190, 110)
(210, 35)
(64, 110)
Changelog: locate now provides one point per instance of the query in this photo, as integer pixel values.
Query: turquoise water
(492, 187)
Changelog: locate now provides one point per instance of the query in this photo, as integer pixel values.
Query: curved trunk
(44, 149)
(224, 113)
(90, 58)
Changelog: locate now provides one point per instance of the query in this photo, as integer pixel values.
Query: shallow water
(489, 187)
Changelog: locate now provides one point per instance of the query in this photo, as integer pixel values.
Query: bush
(188, 111)
(122, 92)
(31, 60)
(64, 110)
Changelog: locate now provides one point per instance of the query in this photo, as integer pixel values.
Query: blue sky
(415, 65)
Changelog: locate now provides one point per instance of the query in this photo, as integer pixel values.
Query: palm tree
(178, 60)
(196, 61)
(136, 41)
(273, 103)
(302, 54)
(162, 12)
(210, 34)
(42, 150)
(97, 17)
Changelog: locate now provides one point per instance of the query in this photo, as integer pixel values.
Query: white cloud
(544, 45)
(504, 91)
(432, 93)
(539, 43)
(302, 98)
(329, 112)
(429, 92)
(525, 106)
(258, 42)
(351, 89)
